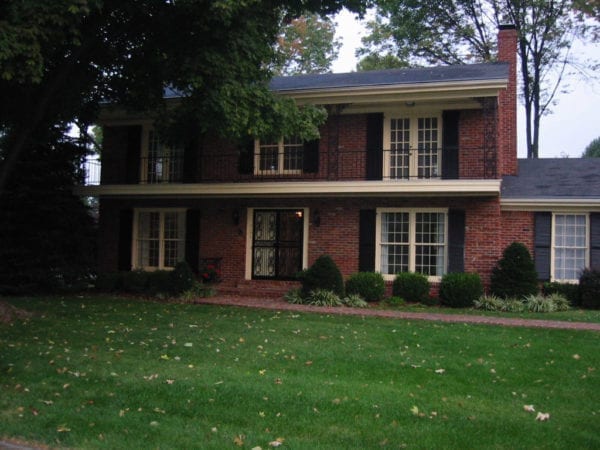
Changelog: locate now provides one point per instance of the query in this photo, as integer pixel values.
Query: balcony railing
(341, 165)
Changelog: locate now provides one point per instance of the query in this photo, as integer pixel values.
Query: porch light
(299, 214)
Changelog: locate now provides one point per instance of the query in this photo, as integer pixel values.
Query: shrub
(181, 278)
(369, 285)
(460, 290)
(395, 301)
(134, 282)
(413, 287)
(589, 287)
(488, 303)
(539, 303)
(198, 290)
(323, 275)
(294, 296)
(568, 290)
(355, 301)
(108, 282)
(513, 305)
(158, 283)
(514, 274)
(323, 297)
(561, 303)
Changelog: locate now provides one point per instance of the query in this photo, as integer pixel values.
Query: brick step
(256, 288)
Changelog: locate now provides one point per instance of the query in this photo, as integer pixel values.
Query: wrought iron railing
(383, 165)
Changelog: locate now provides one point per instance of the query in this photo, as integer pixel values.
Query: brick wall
(518, 226)
(507, 104)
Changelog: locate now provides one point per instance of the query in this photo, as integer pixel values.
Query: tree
(593, 149)
(59, 59)
(378, 62)
(306, 45)
(460, 31)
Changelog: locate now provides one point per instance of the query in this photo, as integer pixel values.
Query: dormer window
(160, 163)
(412, 144)
(284, 156)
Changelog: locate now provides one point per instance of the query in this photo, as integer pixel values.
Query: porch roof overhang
(323, 189)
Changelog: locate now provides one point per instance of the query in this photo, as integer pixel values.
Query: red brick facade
(223, 222)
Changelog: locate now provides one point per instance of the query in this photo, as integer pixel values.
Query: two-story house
(415, 170)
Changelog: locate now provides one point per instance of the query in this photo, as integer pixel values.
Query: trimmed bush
(395, 301)
(460, 290)
(181, 278)
(589, 287)
(412, 287)
(108, 282)
(568, 290)
(158, 283)
(488, 303)
(134, 282)
(323, 274)
(514, 274)
(369, 285)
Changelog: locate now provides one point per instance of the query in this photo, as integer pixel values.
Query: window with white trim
(278, 157)
(413, 146)
(159, 241)
(160, 163)
(570, 249)
(411, 241)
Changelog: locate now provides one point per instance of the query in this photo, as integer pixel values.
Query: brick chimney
(507, 103)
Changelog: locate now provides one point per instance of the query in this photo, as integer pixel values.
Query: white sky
(575, 120)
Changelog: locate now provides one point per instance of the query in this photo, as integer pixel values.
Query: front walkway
(280, 304)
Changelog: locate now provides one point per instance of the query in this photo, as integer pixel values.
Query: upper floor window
(569, 246)
(160, 163)
(159, 238)
(284, 156)
(412, 144)
(411, 241)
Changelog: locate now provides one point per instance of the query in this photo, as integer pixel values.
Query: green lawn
(120, 373)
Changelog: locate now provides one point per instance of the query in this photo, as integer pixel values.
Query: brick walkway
(282, 305)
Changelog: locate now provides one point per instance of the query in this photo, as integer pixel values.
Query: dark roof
(554, 178)
(443, 74)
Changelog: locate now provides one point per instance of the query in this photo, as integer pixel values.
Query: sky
(575, 120)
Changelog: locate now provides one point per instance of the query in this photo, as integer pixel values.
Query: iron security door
(277, 244)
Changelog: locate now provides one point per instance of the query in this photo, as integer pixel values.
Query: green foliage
(593, 149)
(47, 235)
(198, 290)
(306, 45)
(395, 301)
(181, 278)
(294, 296)
(514, 274)
(354, 301)
(374, 61)
(413, 287)
(460, 290)
(539, 304)
(323, 297)
(589, 286)
(323, 275)
(488, 303)
(369, 285)
(568, 290)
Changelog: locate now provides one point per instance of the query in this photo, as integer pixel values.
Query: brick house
(415, 170)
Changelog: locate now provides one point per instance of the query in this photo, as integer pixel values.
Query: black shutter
(134, 149)
(450, 145)
(125, 239)
(595, 240)
(374, 146)
(192, 239)
(542, 243)
(366, 240)
(456, 241)
(191, 170)
(311, 156)
(246, 159)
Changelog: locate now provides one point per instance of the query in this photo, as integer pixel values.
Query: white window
(570, 253)
(411, 241)
(278, 157)
(412, 144)
(159, 239)
(160, 164)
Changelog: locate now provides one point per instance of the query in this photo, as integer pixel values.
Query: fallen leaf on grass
(277, 442)
(529, 408)
(576, 356)
(440, 371)
(62, 429)
(415, 410)
(170, 381)
(239, 440)
(542, 416)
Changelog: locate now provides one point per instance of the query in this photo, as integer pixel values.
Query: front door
(277, 243)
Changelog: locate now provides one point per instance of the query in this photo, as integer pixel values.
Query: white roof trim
(546, 204)
(412, 188)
